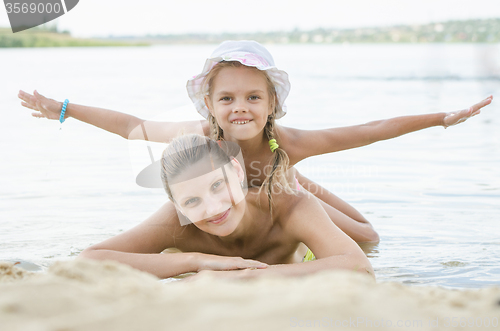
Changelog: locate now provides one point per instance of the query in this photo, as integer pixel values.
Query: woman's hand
(44, 107)
(460, 116)
(231, 274)
(215, 262)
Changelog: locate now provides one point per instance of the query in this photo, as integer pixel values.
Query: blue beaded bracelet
(63, 110)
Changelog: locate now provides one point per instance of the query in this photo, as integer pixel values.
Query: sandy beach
(91, 295)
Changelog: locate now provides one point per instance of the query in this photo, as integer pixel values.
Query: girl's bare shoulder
(289, 139)
(285, 134)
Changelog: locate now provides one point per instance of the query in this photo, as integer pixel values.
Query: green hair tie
(273, 145)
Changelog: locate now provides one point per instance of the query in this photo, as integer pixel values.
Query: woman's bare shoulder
(286, 204)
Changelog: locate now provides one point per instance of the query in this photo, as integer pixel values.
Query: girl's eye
(254, 97)
(225, 99)
(190, 201)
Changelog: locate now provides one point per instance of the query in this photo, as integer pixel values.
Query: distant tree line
(470, 31)
(49, 36)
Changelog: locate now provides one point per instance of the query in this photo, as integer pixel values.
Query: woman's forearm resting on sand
(160, 265)
(170, 265)
(338, 262)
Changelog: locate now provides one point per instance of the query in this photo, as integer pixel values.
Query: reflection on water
(26, 265)
(370, 249)
(432, 196)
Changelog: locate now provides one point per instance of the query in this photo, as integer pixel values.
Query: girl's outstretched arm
(301, 144)
(141, 247)
(124, 125)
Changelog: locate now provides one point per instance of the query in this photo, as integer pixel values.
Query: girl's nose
(240, 106)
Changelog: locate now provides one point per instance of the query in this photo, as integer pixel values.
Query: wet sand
(91, 295)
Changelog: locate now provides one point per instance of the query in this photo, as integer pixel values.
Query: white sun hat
(249, 53)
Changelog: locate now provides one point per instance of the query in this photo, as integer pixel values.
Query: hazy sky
(126, 17)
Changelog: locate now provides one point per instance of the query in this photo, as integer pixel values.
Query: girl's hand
(215, 262)
(460, 116)
(44, 107)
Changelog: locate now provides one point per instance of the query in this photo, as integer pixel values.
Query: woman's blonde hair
(277, 178)
(187, 150)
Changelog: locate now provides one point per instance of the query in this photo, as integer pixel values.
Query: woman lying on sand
(222, 226)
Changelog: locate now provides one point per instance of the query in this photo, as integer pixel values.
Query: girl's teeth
(238, 122)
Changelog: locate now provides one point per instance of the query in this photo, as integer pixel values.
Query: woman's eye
(190, 201)
(216, 184)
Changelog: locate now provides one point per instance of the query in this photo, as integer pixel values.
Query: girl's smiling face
(214, 201)
(240, 102)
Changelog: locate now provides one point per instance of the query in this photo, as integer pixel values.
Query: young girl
(228, 230)
(241, 93)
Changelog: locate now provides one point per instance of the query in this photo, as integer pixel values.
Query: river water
(433, 196)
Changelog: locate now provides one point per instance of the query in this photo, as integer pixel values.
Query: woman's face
(214, 201)
(240, 102)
